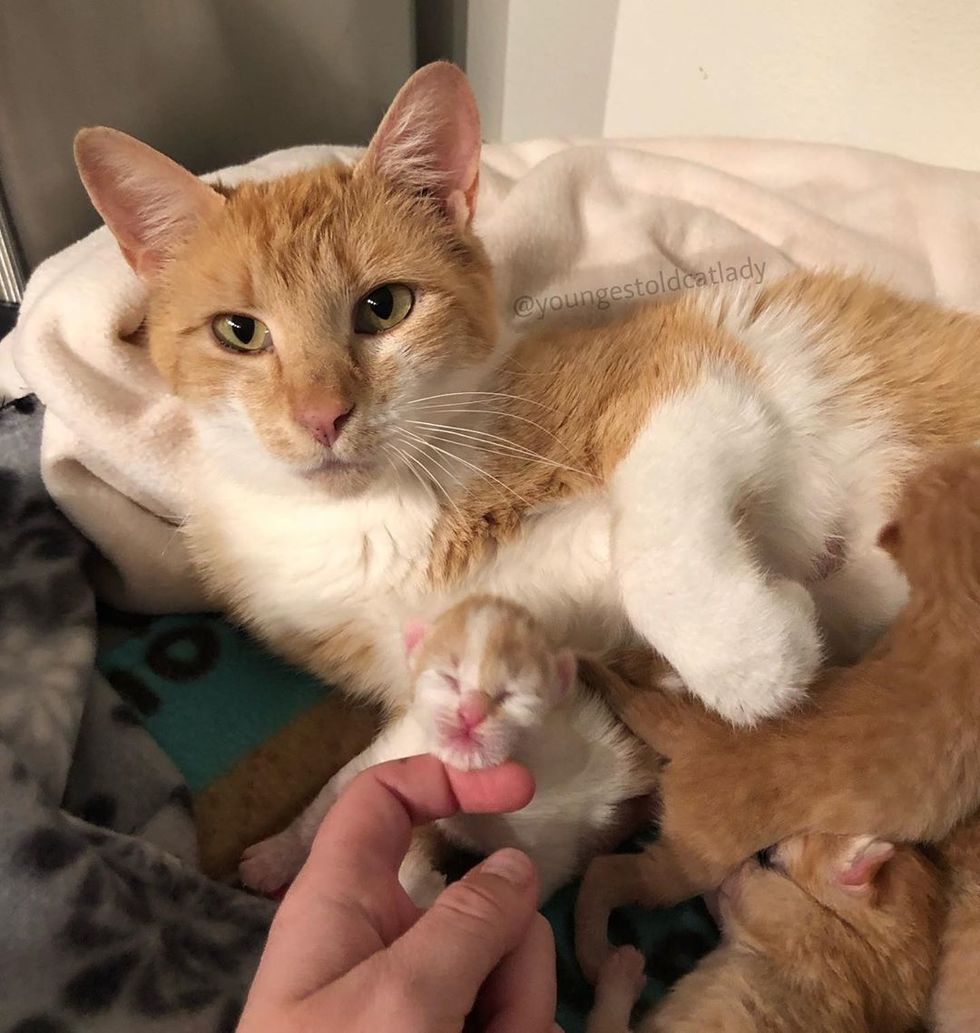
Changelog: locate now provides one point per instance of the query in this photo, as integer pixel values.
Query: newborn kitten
(890, 746)
(837, 935)
(488, 686)
(956, 1000)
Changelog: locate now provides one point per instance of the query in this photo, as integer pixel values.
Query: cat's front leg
(654, 878)
(620, 982)
(743, 639)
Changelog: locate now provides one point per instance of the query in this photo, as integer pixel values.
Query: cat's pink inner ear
(414, 631)
(148, 201)
(429, 140)
(862, 865)
(567, 667)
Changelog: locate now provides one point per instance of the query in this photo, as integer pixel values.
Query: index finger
(371, 824)
(346, 902)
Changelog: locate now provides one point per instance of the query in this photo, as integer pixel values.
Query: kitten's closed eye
(451, 680)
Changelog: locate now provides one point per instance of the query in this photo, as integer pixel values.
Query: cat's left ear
(429, 140)
(862, 864)
(566, 666)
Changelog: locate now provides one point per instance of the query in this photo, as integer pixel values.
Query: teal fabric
(206, 692)
(209, 694)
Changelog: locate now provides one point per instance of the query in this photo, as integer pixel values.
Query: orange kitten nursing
(956, 1000)
(836, 935)
(890, 746)
(373, 448)
(488, 686)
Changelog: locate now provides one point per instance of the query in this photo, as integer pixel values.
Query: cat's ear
(148, 201)
(890, 537)
(412, 634)
(429, 140)
(862, 863)
(566, 666)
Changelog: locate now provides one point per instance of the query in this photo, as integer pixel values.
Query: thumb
(472, 925)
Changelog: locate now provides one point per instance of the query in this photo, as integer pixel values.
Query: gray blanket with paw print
(106, 926)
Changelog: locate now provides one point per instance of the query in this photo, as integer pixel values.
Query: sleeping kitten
(488, 687)
(837, 935)
(371, 447)
(890, 746)
(956, 999)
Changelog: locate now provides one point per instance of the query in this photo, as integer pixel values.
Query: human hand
(348, 951)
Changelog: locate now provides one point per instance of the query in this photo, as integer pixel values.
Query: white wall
(894, 75)
(540, 67)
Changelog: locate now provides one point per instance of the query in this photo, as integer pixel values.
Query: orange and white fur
(489, 686)
(835, 935)
(708, 475)
(890, 746)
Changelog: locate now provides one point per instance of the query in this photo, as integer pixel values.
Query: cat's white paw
(764, 658)
(272, 864)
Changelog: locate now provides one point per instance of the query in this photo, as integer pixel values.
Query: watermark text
(602, 298)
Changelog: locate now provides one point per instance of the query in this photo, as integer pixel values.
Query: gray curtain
(210, 82)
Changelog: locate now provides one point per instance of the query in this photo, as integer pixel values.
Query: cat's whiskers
(426, 482)
(493, 443)
(432, 479)
(449, 410)
(481, 394)
(465, 462)
(177, 530)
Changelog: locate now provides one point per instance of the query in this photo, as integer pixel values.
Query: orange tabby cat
(840, 935)
(956, 1002)
(890, 746)
(372, 447)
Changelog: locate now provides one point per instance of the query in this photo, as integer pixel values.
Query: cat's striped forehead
(312, 241)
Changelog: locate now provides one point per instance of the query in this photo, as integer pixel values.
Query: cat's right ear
(862, 863)
(148, 201)
(429, 140)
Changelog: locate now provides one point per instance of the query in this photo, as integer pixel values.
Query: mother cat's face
(309, 320)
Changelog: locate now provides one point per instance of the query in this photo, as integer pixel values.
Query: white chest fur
(305, 563)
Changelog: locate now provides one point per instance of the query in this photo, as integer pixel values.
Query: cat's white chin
(469, 758)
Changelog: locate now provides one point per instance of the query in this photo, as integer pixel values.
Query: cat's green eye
(241, 333)
(386, 306)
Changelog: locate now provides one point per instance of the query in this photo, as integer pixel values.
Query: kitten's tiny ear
(429, 140)
(890, 537)
(147, 201)
(414, 631)
(862, 864)
(567, 667)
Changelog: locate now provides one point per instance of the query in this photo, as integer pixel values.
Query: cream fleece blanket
(577, 230)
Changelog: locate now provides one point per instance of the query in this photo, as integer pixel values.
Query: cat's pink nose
(472, 712)
(325, 420)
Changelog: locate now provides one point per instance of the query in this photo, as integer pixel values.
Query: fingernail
(509, 864)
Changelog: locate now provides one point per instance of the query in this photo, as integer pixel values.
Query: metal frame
(11, 266)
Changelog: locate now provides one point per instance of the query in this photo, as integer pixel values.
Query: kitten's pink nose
(325, 420)
(472, 712)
